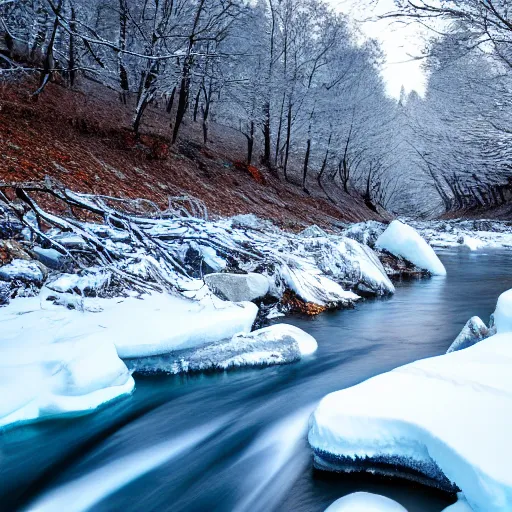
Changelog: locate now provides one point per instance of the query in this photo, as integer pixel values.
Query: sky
(400, 42)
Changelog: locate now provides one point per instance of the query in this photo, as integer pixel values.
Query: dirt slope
(82, 138)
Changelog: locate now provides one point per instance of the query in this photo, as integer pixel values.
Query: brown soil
(82, 138)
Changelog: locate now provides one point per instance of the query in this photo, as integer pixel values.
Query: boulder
(22, 270)
(238, 287)
(404, 241)
(474, 331)
(277, 344)
(52, 259)
(365, 233)
(313, 231)
(5, 293)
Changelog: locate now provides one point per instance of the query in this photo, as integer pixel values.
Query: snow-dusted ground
(444, 420)
(471, 235)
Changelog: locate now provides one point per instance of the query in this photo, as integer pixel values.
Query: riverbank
(264, 406)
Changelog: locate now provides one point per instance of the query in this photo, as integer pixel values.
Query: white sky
(400, 42)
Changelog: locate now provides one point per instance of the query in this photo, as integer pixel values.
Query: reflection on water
(237, 441)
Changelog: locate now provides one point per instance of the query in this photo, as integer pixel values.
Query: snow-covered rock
(63, 377)
(471, 243)
(503, 313)
(445, 421)
(365, 233)
(311, 285)
(453, 233)
(23, 270)
(355, 265)
(474, 331)
(51, 258)
(313, 231)
(5, 293)
(277, 344)
(238, 287)
(365, 502)
(402, 240)
(88, 281)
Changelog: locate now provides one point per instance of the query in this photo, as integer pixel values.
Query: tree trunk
(250, 143)
(306, 164)
(288, 137)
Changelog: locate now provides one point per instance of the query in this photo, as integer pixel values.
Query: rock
(70, 241)
(277, 344)
(22, 270)
(313, 231)
(365, 233)
(5, 293)
(238, 287)
(404, 241)
(11, 250)
(470, 243)
(474, 331)
(250, 221)
(52, 259)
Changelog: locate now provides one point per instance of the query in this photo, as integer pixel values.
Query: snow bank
(503, 313)
(39, 380)
(402, 240)
(365, 502)
(55, 360)
(445, 421)
(277, 344)
(156, 325)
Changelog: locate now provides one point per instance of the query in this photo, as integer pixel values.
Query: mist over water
(237, 441)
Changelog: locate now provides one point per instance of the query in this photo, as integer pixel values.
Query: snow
(365, 502)
(454, 233)
(402, 240)
(155, 325)
(238, 287)
(503, 313)
(75, 376)
(277, 344)
(365, 233)
(445, 421)
(55, 360)
(311, 285)
(474, 331)
(461, 506)
(21, 269)
(472, 243)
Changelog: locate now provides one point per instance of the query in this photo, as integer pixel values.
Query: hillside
(82, 138)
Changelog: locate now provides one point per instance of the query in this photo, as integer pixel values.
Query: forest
(299, 83)
(239, 272)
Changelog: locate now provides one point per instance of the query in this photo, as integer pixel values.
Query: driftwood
(145, 248)
(148, 232)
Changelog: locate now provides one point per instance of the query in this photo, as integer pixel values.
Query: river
(236, 441)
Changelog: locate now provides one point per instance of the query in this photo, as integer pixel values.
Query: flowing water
(236, 441)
